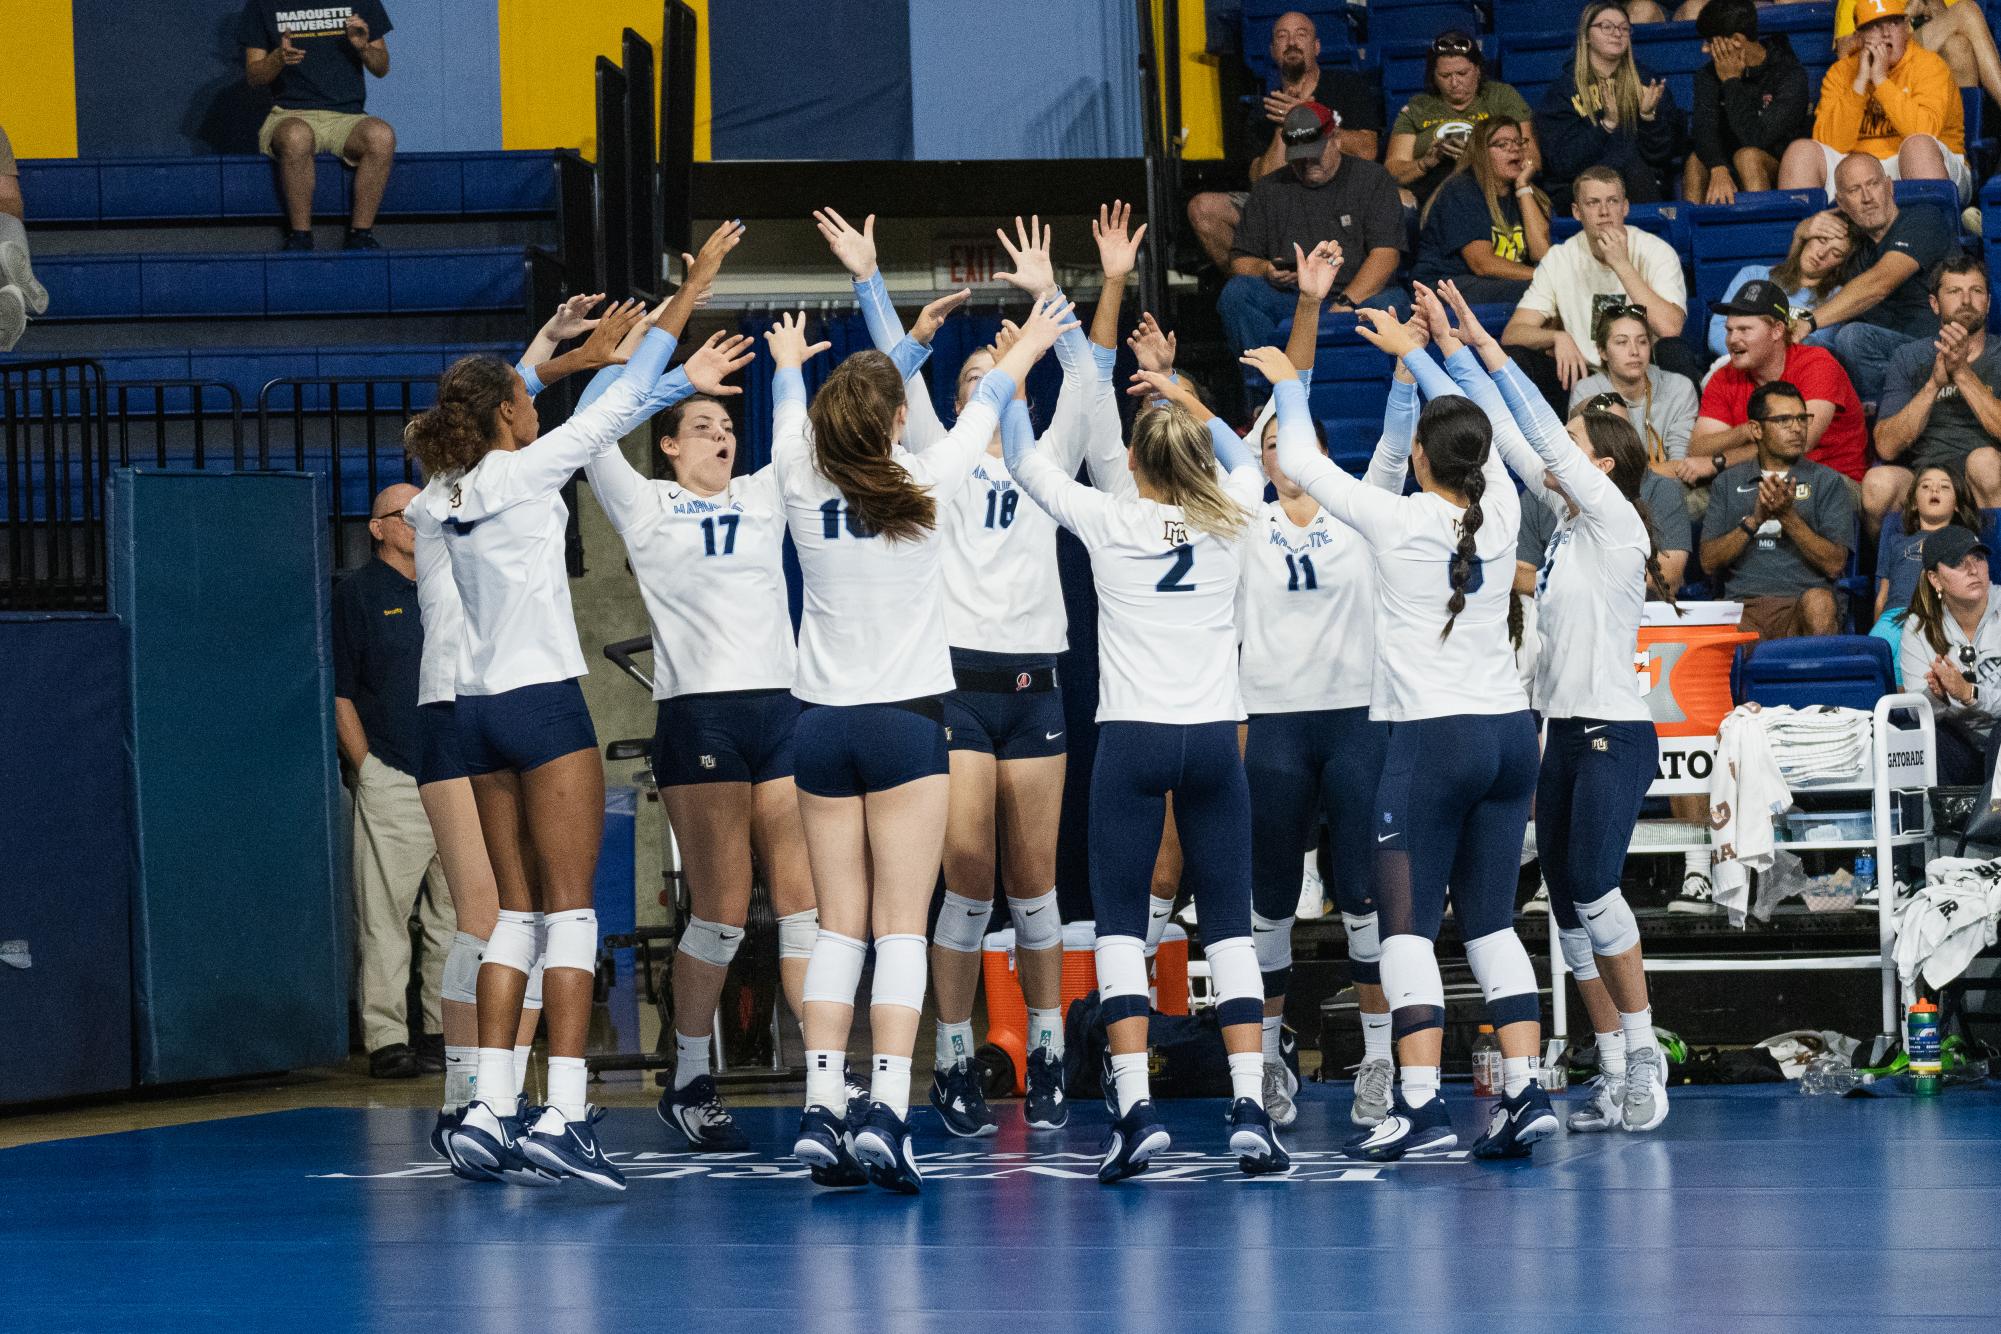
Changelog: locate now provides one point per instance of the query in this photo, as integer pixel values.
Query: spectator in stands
(1659, 404)
(1939, 403)
(313, 61)
(1322, 195)
(1606, 264)
(1951, 649)
(1826, 252)
(1604, 110)
(20, 295)
(1888, 303)
(1957, 32)
(1750, 103)
(1431, 133)
(1779, 526)
(378, 642)
(1487, 227)
(1353, 97)
(1758, 333)
(1891, 99)
(1939, 497)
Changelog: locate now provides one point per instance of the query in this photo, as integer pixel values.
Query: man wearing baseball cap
(1319, 195)
(1951, 648)
(1889, 98)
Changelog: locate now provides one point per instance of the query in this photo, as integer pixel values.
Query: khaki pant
(396, 872)
(331, 130)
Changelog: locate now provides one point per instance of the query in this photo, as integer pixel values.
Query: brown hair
(1927, 606)
(1963, 512)
(669, 423)
(853, 419)
(450, 438)
(1614, 438)
(1175, 453)
(1456, 437)
(1789, 277)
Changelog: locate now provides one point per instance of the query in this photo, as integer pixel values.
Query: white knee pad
(796, 932)
(1365, 944)
(514, 943)
(572, 940)
(1122, 977)
(1410, 973)
(1577, 955)
(835, 969)
(461, 977)
(1038, 924)
(1610, 924)
(899, 972)
(1271, 937)
(1233, 968)
(711, 942)
(1501, 965)
(962, 923)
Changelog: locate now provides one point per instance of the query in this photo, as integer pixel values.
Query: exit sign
(967, 261)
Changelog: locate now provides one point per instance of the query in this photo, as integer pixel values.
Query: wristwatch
(1718, 462)
(1749, 525)
(1812, 323)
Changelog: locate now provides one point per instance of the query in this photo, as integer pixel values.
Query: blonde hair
(1476, 162)
(1174, 453)
(1585, 98)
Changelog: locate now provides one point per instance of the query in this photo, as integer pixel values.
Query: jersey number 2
(1184, 561)
(728, 523)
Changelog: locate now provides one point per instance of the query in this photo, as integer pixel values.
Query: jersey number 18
(833, 516)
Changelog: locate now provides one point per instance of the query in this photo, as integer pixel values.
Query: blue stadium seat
(1990, 228)
(1532, 59)
(1980, 145)
(1758, 228)
(251, 285)
(1419, 20)
(1942, 195)
(1537, 16)
(1673, 52)
(1851, 671)
(248, 370)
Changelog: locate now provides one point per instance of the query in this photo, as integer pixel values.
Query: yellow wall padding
(38, 91)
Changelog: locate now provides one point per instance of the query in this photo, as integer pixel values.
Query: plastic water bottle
(1486, 1063)
(1865, 872)
(1921, 1047)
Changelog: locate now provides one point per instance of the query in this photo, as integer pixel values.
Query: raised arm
(947, 463)
(1065, 499)
(789, 351)
(1367, 510)
(571, 318)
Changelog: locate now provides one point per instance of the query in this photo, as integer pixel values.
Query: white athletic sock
(955, 1044)
(461, 1066)
(1376, 1042)
(567, 1085)
(691, 1059)
(825, 1085)
(891, 1083)
(1639, 1029)
(495, 1080)
(1045, 1030)
(1696, 863)
(520, 1076)
(1157, 913)
(1129, 1073)
(1612, 1054)
(1268, 1034)
(1247, 1075)
(1514, 1074)
(1419, 1084)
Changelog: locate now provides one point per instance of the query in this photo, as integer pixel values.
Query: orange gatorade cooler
(1007, 1011)
(1684, 664)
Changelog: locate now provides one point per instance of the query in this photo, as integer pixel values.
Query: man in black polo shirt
(378, 642)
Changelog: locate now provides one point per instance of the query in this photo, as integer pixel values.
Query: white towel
(1746, 790)
(1821, 745)
(1950, 919)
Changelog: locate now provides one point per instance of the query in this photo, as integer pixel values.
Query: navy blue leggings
(1137, 765)
(1451, 810)
(1594, 777)
(1300, 764)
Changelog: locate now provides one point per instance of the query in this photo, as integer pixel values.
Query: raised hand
(1427, 306)
(854, 249)
(1050, 320)
(1153, 349)
(1381, 329)
(787, 341)
(1033, 272)
(1951, 346)
(933, 315)
(1471, 330)
(687, 267)
(1316, 268)
(603, 348)
(573, 317)
(709, 259)
(1009, 335)
(288, 53)
(1273, 364)
(1278, 102)
(723, 355)
(1118, 252)
(1650, 98)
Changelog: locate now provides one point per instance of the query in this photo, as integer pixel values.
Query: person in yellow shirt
(1889, 98)
(1948, 28)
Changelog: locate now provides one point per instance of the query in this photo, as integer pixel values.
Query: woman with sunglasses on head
(1660, 404)
(1951, 648)
(1605, 110)
(1432, 132)
(1487, 227)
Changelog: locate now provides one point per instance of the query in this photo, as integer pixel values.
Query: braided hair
(1456, 438)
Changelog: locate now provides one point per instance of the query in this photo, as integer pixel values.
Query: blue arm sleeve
(788, 385)
(1106, 358)
(1017, 434)
(1432, 381)
(878, 311)
(909, 355)
(650, 359)
(1232, 451)
(529, 378)
(600, 382)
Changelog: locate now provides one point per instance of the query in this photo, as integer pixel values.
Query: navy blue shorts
(1011, 709)
(847, 750)
(1594, 777)
(440, 760)
(525, 728)
(725, 736)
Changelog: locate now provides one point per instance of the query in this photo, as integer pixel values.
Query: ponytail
(1175, 455)
(1614, 438)
(450, 438)
(1928, 609)
(854, 419)
(1466, 559)
(1456, 438)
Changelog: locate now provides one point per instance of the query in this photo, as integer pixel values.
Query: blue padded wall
(223, 582)
(66, 859)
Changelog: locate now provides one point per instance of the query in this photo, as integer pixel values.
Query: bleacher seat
(1942, 195)
(1519, 16)
(1532, 59)
(270, 283)
(1419, 20)
(1758, 228)
(1851, 671)
(1673, 51)
(1330, 21)
(1980, 145)
(1990, 219)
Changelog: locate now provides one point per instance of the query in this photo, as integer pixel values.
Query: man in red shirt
(1757, 333)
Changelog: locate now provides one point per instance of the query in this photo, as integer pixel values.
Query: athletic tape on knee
(899, 972)
(1121, 978)
(711, 942)
(962, 923)
(1038, 923)
(1501, 966)
(835, 968)
(460, 982)
(796, 932)
(513, 944)
(1577, 955)
(1610, 924)
(1240, 990)
(572, 940)
(1412, 984)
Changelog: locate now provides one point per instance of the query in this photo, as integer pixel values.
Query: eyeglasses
(392, 514)
(1786, 419)
(1514, 141)
(1620, 28)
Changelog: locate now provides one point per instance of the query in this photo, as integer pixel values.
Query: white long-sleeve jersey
(444, 619)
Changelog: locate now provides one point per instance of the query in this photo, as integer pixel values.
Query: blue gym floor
(1751, 1209)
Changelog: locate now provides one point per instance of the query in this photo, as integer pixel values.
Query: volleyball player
(1460, 768)
(1165, 561)
(1601, 751)
(870, 751)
